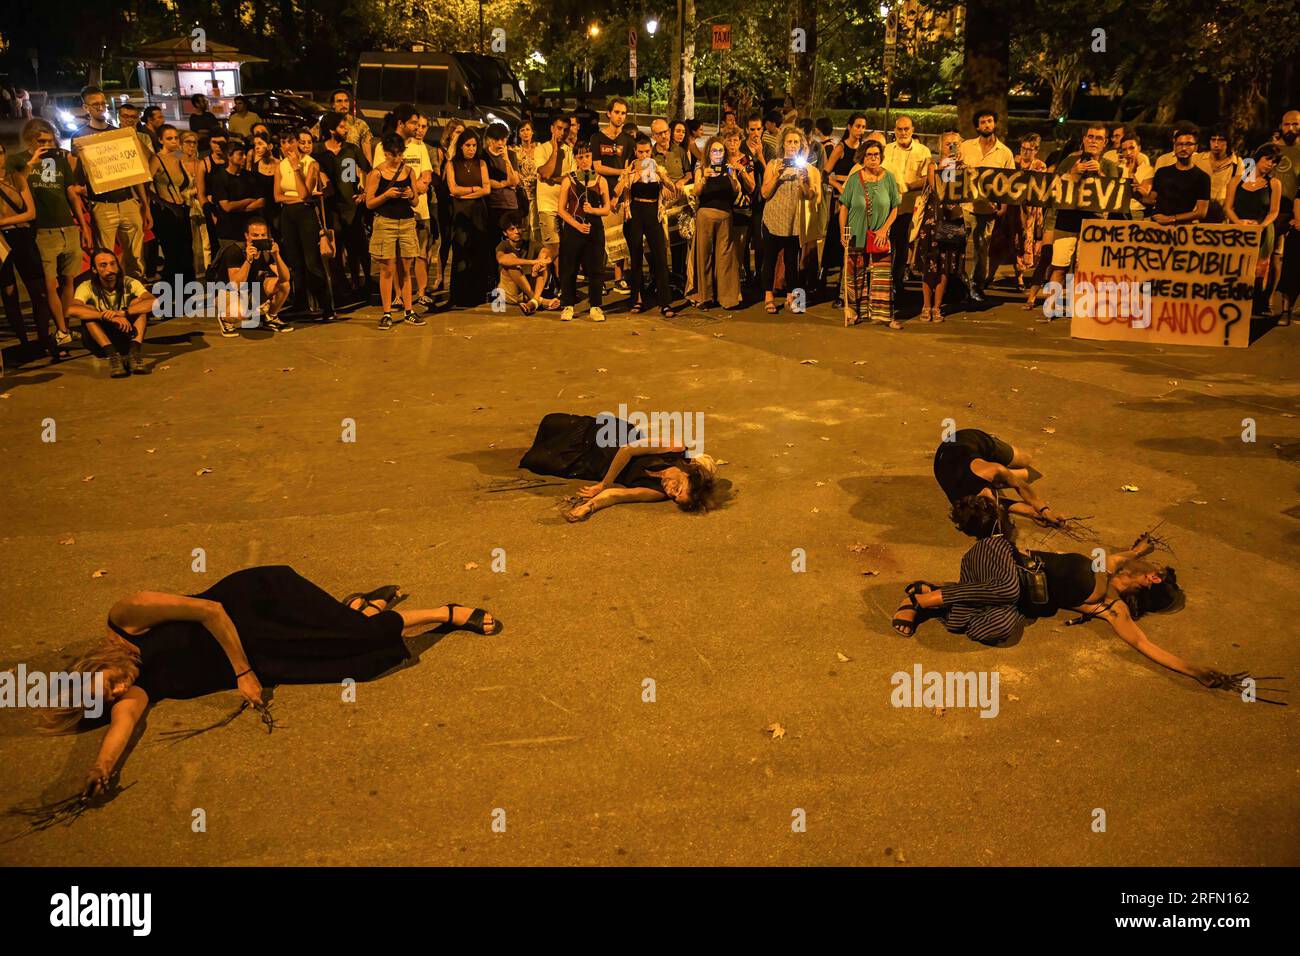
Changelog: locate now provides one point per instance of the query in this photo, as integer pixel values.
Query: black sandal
(474, 622)
(667, 313)
(915, 587)
(901, 624)
(383, 598)
(637, 309)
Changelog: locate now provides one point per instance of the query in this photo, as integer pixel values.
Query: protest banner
(1174, 285)
(1023, 187)
(113, 159)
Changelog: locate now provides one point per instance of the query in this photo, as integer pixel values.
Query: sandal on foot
(474, 622)
(636, 309)
(383, 598)
(916, 587)
(667, 313)
(901, 624)
(771, 308)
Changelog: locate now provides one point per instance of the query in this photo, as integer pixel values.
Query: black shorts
(952, 461)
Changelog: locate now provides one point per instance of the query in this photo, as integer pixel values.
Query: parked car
(65, 111)
(281, 109)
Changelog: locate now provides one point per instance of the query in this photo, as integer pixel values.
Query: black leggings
(352, 247)
(25, 260)
(643, 222)
(300, 236)
(590, 251)
(171, 224)
(786, 247)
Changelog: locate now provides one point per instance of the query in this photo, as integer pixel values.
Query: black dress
(292, 633)
(571, 446)
(473, 259)
(953, 458)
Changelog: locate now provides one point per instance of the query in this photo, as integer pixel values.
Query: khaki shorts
(394, 238)
(550, 223)
(60, 251)
(1063, 251)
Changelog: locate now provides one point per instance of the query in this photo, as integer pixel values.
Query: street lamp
(594, 30)
(651, 26)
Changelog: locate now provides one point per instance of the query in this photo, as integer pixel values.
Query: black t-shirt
(953, 459)
(1179, 190)
(223, 186)
(616, 153)
(204, 122)
(759, 170)
(232, 257)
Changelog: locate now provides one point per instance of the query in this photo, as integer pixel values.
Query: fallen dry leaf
(150, 451)
(642, 398)
(823, 438)
(776, 730)
(602, 370)
(1129, 488)
(900, 857)
(860, 362)
(204, 471)
(858, 548)
(816, 511)
(68, 541)
(1012, 697)
(89, 478)
(100, 573)
(841, 658)
(807, 361)
(938, 711)
(389, 461)
(1050, 431)
(1197, 501)
(472, 565)
(870, 574)
(4, 394)
(819, 483)
(289, 369)
(721, 461)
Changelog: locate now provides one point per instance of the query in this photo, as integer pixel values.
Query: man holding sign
(121, 213)
(1076, 167)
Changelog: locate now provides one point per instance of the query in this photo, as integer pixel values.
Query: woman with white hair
(788, 184)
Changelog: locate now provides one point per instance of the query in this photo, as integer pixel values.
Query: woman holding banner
(1255, 201)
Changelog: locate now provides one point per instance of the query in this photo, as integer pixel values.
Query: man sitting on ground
(260, 279)
(114, 311)
(521, 279)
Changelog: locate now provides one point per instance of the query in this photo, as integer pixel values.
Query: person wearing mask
(984, 150)
(868, 207)
(643, 189)
(908, 160)
(789, 183)
(583, 203)
(297, 185)
(717, 265)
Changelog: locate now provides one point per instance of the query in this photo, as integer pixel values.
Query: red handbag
(877, 244)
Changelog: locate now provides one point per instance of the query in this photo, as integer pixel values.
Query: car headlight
(66, 119)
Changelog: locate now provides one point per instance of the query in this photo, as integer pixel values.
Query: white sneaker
(62, 338)
(597, 315)
(567, 314)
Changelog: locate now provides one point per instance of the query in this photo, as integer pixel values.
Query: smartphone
(716, 167)
(262, 245)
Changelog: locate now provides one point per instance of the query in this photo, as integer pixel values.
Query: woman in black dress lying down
(583, 446)
(265, 624)
(992, 601)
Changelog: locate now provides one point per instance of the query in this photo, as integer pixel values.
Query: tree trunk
(674, 106)
(803, 16)
(1167, 108)
(688, 60)
(985, 71)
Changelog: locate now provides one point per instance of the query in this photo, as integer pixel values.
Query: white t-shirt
(128, 290)
(907, 166)
(548, 196)
(973, 156)
(417, 157)
(288, 181)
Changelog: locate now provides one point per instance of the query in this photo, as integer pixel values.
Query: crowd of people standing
(778, 210)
